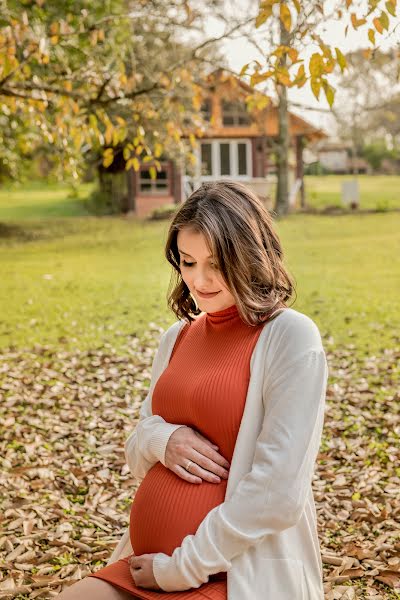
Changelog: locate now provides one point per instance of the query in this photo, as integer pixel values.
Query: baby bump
(166, 508)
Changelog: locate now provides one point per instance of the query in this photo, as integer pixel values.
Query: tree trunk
(282, 189)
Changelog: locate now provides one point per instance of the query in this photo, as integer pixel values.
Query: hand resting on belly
(187, 444)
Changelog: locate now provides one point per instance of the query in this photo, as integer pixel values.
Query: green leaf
(329, 93)
(384, 19)
(341, 59)
(391, 8)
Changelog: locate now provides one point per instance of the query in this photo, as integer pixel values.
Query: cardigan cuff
(162, 574)
(159, 439)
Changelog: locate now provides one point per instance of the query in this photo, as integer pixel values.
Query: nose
(203, 279)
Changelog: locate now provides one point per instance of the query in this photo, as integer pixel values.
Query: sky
(240, 51)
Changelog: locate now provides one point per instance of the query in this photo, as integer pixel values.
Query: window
(225, 158)
(242, 159)
(206, 159)
(206, 110)
(235, 113)
(160, 185)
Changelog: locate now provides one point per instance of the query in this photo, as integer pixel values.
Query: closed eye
(186, 264)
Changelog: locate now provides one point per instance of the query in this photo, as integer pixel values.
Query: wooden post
(131, 175)
(176, 183)
(300, 167)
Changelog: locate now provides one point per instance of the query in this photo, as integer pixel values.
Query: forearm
(147, 443)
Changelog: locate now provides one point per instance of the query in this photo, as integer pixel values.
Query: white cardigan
(264, 534)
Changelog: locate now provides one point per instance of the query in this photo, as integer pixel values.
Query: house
(235, 144)
(336, 156)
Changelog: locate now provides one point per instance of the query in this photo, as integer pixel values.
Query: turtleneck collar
(221, 316)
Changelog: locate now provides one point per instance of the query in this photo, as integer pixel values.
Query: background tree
(290, 28)
(365, 116)
(83, 77)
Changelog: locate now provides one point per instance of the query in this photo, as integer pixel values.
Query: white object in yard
(294, 191)
(350, 192)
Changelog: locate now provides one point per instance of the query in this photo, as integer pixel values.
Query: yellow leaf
(115, 137)
(54, 39)
(93, 122)
(378, 25)
(300, 78)
(356, 22)
(244, 69)
(329, 65)
(257, 77)
(367, 52)
(157, 149)
(153, 172)
(371, 36)
(282, 76)
(348, 3)
(263, 16)
(108, 134)
(341, 59)
(126, 153)
(297, 6)
(293, 53)
(285, 16)
(316, 87)
(139, 150)
(108, 157)
(316, 65)
(133, 163)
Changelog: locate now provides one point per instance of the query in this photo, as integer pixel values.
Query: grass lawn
(376, 191)
(41, 201)
(84, 281)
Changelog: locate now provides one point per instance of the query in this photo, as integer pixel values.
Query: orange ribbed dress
(204, 387)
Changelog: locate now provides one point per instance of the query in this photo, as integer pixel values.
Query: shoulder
(292, 333)
(169, 336)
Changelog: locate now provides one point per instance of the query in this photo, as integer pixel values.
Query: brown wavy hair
(246, 250)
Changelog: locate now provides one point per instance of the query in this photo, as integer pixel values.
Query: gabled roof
(299, 124)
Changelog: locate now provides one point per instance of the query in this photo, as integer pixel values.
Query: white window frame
(233, 159)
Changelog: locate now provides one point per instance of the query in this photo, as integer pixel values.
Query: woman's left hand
(141, 568)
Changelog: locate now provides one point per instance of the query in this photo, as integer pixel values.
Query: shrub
(166, 211)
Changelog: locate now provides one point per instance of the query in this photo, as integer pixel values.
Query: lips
(208, 294)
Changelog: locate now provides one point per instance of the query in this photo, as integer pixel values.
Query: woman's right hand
(187, 444)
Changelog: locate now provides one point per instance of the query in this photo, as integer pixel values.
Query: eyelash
(186, 264)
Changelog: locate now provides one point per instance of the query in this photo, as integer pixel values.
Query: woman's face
(199, 272)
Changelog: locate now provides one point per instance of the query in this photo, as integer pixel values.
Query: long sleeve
(272, 496)
(147, 443)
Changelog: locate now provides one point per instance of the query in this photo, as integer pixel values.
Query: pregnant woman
(230, 429)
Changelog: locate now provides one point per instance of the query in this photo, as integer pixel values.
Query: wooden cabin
(235, 144)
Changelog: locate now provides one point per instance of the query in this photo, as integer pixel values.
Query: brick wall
(145, 204)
